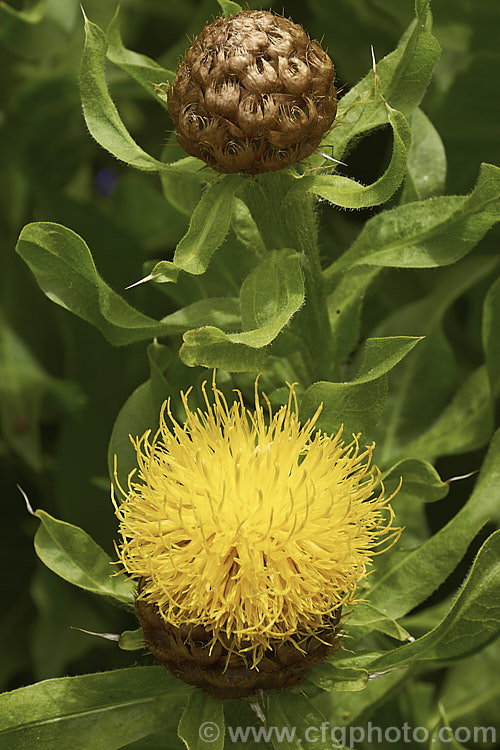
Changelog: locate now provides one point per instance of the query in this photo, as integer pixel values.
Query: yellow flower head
(248, 523)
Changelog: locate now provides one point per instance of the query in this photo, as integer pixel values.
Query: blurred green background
(61, 383)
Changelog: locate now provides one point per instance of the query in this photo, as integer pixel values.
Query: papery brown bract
(220, 669)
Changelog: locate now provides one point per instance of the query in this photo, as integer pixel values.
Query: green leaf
(202, 722)
(358, 403)
(101, 115)
(420, 480)
(379, 355)
(140, 412)
(491, 339)
(464, 425)
(102, 711)
(426, 161)
(269, 297)
(209, 225)
(65, 271)
(229, 8)
(73, 555)
(410, 576)
(427, 381)
(403, 79)
(458, 634)
(132, 640)
(63, 266)
(420, 484)
(344, 308)
(223, 312)
(355, 706)
(365, 618)
(443, 736)
(246, 229)
(23, 386)
(427, 234)
(183, 182)
(145, 71)
(61, 608)
(29, 33)
(292, 716)
(344, 192)
(211, 347)
(341, 673)
(470, 691)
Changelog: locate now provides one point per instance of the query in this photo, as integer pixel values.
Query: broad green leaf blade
(365, 618)
(229, 8)
(426, 161)
(209, 225)
(61, 608)
(471, 689)
(269, 297)
(346, 674)
(63, 266)
(65, 271)
(294, 719)
(380, 354)
(139, 413)
(356, 706)
(354, 406)
(421, 484)
(344, 308)
(344, 192)
(403, 79)
(245, 228)
(464, 425)
(211, 347)
(104, 711)
(223, 312)
(23, 386)
(73, 555)
(421, 480)
(202, 722)
(427, 234)
(491, 338)
(358, 403)
(148, 73)
(458, 634)
(411, 576)
(29, 33)
(428, 379)
(101, 115)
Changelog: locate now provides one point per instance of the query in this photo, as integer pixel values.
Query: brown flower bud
(254, 94)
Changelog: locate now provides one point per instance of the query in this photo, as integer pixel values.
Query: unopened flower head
(249, 524)
(253, 94)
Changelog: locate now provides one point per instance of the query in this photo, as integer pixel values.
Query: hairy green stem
(285, 218)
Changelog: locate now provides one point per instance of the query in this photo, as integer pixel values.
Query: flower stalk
(285, 217)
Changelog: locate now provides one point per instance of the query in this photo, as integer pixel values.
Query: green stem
(285, 218)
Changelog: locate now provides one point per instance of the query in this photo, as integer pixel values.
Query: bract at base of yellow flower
(250, 525)
(221, 671)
